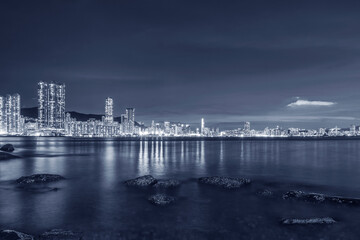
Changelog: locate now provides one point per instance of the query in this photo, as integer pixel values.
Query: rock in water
(167, 183)
(161, 199)
(296, 221)
(265, 193)
(142, 181)
(39, 178)
(224, 182)
(320, 198)
(7, 148)
(60, 234)
(309, 197)
(14, 235)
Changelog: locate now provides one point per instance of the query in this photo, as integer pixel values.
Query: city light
(52, 120)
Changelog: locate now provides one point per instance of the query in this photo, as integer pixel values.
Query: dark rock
(14, 235)
(265, 193)
(39, 178)
(7, 148)
(320, 198)
(161, 199)
(60, 234)
(296, 221)
(142, 181)
(167, 183)
(224, 182)
(308, 197)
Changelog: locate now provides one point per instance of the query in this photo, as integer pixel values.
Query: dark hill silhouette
(33, 113)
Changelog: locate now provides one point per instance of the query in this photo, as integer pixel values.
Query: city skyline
(53, 120)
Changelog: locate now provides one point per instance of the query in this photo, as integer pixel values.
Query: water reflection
(93, 193)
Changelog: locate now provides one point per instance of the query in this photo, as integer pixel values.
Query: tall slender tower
(130, 115)
(202, 129)
(2, 114)
(11, 113)
(109, 117)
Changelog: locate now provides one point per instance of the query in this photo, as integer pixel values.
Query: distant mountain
(33, 113)
(84, 117)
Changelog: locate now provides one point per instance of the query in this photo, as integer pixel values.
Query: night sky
(287, 63)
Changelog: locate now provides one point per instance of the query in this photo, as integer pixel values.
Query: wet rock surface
(60, 234)
(39, 178)
(167, 183)
(320, 198)
(7, 148)
(305, 221)
(225, 182)
(14, 235)
(142, 181)
(161, 199)
(265, 193)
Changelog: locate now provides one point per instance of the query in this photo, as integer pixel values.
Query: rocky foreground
(225, 182)
(7, 148)
(55, 234)
(14, 235)
(161, 199)
(296, 221)
(39, 178)
(320, 198)
(143, 181)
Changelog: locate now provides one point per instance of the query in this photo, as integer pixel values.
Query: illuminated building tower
(202, 127)
(2, 114)
(11, 113)
(124, 123)
(109, 118)
(60, 106)
(247, 126)
(353, 130)
(130, 115)
(51, 105)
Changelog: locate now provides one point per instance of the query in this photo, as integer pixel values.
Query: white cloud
(304, 103)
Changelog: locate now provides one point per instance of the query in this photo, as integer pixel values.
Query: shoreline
(173, 138)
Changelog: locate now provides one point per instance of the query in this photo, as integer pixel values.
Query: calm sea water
(94, 200)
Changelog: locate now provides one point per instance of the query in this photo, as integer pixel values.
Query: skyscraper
(130, 117)
(2, 114)
(51, 105)
(202, 127)
(109, 118)
(247, 126)
(10, 114)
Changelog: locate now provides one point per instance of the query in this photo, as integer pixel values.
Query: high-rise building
(2, 115)
(123, 126)
(51, 105)
(247, 126)
(202, 127)
(10, 121)
(109, 118)
(130, 117)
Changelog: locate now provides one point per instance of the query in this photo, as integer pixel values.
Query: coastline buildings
(51, 106)
(53, 121)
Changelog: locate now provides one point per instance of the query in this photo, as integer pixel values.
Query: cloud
(305, 103)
